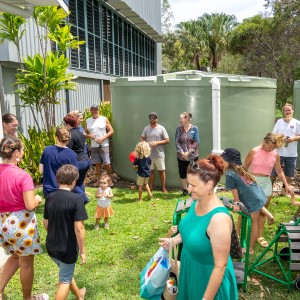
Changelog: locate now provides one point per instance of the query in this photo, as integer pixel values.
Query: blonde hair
(75, 113)
(142, 150)
(240, 170)
(63, 134)
(106, 178)
(276, 139)
(187, 115)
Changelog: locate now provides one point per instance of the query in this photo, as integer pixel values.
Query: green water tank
(296, 103)
(247, 109)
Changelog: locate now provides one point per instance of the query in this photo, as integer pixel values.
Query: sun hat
(232, 156)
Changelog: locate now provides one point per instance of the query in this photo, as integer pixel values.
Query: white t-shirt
(289, 129)
(104, 202)
(98, 128)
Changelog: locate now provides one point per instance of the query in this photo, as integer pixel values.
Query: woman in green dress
(206, 270)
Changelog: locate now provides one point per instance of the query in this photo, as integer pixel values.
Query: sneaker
(96, 227)
(106, 226)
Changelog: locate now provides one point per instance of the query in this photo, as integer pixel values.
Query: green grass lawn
(116, 257)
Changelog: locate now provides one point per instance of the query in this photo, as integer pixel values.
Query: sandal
(262, 242)
(41, 297)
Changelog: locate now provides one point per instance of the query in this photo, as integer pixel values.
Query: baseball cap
(232, 156)
(153, 114)
(94, 106)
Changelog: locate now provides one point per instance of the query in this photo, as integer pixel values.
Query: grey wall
(149, 10)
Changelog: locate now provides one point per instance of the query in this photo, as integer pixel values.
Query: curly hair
(275, 139)
(8, 146)
(142, 150)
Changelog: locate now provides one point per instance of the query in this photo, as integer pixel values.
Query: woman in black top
(78, 144)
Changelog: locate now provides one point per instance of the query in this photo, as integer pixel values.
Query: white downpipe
(216, 115)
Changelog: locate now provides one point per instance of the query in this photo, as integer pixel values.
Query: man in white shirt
(290, 127)
(99, 130)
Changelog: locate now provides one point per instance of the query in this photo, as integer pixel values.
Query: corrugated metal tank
(296, 102)
(247, 113)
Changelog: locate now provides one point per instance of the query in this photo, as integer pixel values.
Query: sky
(185, 10)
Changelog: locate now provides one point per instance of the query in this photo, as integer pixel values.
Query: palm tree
(217, 27)
(208, 37)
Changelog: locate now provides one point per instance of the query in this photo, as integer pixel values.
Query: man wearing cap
(290, 127)
(156, 136)
(99, 130)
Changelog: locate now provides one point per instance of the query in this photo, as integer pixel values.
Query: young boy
(63, 219)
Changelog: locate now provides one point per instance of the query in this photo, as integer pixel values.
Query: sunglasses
(194, 166)
(152, 117)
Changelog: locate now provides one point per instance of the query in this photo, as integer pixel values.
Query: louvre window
(113, 46)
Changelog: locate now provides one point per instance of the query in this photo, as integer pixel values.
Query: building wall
(114, 47)
(149, 10)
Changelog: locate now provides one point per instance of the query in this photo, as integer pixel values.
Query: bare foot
(165, 191)
(82, 293)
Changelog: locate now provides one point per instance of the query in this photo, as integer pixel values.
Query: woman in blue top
(245, 189)
(206, 269)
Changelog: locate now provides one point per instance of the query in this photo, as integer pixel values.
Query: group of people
(206, 269)
(150, 152)
(205, 231)
(64, 166)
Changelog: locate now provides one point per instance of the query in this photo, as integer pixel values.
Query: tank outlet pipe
(216, 115)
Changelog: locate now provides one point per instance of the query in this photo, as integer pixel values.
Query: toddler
(142, 164)
(104, 209)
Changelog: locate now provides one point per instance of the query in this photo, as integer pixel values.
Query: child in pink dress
(104, 209)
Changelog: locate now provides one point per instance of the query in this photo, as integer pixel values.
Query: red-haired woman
(77, 143)
(206, 270)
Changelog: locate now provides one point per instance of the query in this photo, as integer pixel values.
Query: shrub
(33, 149)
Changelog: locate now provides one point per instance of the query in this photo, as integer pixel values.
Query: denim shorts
(288, 165)
(66, 271)
(100, 155)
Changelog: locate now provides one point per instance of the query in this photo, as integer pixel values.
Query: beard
(288, 118)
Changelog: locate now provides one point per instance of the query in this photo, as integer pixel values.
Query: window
(113, 46)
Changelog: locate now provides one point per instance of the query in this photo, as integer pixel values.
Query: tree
(166, 16)
(10, 29)
(46, 74)
(270, 47)
(203, 41)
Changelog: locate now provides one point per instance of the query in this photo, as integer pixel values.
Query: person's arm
(165, 242)
(248, 159)
(280, 174)
(45, 223)
(109, 133)
(41, 168)
(177, 143)
(98, 193)
(80, 235)
(31, 201)
(110, 193)
(236, 199)
(219, 232)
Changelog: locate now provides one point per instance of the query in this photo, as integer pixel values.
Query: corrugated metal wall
(89, 92)
(149, 10)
